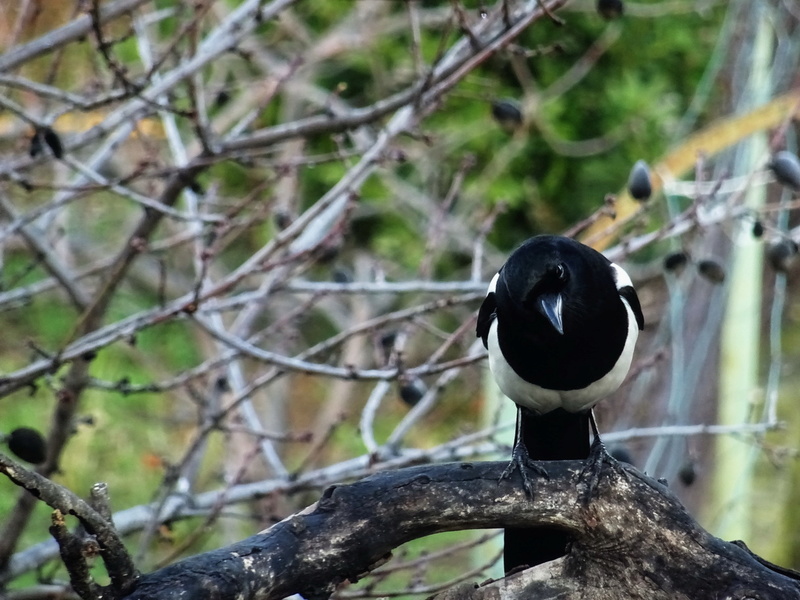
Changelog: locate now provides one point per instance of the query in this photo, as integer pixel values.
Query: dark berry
(622, 454)
(507, 113)
(53, 141)
(412, 391)
(36, 145)
(639, 183)
(688, 472)
(342, 275)
(610, 9)
(282, 219)
(674, 261)
(711, 270)
(786, 167)
(782, 254)
(27, 444)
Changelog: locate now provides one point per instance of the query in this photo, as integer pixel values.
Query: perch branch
(635, 540)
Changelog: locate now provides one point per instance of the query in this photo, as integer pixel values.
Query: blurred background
(242, 245)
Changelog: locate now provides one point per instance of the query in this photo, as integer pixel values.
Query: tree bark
(633, 539)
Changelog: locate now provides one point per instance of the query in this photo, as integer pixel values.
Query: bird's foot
(520, 459)
(593, 468)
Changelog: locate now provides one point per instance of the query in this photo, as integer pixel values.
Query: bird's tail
(557, 435)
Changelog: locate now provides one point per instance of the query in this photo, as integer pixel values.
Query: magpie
(560, 322)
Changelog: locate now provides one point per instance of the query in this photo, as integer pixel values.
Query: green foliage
(632, 96)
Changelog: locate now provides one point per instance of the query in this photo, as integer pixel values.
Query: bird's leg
(592, 469)
(520, 459)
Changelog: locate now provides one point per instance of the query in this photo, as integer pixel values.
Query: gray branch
(63, 35)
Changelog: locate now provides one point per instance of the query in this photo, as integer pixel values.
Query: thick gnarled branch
(634, 540)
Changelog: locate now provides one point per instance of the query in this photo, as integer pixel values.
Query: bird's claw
(520, 460)
(593, 468)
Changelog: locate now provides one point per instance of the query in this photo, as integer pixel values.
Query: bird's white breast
(541, 400)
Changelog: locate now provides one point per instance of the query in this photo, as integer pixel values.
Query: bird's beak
(550, 306)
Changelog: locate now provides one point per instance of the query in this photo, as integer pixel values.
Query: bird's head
(551, 280)
(544, 293)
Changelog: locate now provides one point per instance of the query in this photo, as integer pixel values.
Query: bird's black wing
(486, 315)
(629, 294)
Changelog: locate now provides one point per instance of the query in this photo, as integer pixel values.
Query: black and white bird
(560, 322)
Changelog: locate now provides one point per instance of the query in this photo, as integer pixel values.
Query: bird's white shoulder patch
(493, 283)
(621, 278)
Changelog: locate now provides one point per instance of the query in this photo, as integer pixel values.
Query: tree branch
(63, 35)
(117, 560)
(635, 540)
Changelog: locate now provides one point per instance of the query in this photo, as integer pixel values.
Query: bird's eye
(561, 272)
